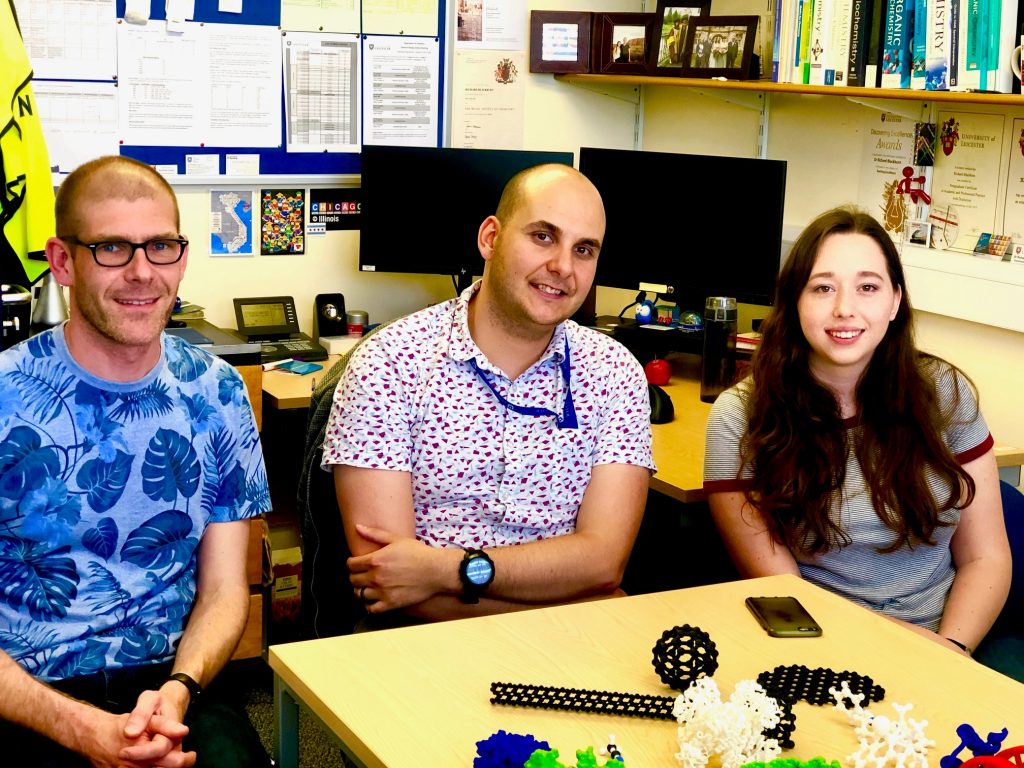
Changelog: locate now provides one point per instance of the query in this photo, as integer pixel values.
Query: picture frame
(719, 46)
(671, 26)
(622, 43)
(560, 41)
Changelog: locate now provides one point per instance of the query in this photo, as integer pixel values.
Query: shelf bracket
(745, 99)
(617, 92)
(912, 110)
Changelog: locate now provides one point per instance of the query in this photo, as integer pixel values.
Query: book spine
(1005, 39)
(805, 40)
(860, 28)
(919, 47)
(896, 51)
(969, 70)
(876, 41)
(820, 40)
(787, 40)
(777, 40)
(953, 10)
(840, 55)
(796, 74)
(937, 55)
(976, 40)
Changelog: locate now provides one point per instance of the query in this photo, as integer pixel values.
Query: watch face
(479, 571)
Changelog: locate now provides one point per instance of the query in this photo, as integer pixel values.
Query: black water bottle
(718, 364)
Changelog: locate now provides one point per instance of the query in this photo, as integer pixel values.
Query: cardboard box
(286, 591)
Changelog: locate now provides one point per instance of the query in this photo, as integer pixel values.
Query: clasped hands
(403, 572)
(150, 736)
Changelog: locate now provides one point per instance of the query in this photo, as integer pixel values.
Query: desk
(420, 695)
(678, 446)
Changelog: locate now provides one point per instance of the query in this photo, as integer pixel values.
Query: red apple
(658, 372)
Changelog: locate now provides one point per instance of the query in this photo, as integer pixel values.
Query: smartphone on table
(783, 617)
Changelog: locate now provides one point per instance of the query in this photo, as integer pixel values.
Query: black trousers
(219, 730)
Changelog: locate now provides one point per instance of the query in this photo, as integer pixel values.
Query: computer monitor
(422, 206)
(700, 224)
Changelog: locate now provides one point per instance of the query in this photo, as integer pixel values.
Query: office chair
(1003, 647)
(328, 606)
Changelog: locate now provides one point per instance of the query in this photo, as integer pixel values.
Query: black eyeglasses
(117, 253)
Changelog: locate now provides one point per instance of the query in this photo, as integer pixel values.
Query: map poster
(283, 217)
(230, 223)
(335, 209)
(968, 163)
(888, 149)
(1013, 212)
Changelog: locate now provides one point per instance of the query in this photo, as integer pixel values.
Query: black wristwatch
(476, 571)
(195, 690)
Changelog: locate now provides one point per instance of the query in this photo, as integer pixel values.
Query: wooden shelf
(766, 86)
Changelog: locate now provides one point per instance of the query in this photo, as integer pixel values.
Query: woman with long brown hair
(852, 458)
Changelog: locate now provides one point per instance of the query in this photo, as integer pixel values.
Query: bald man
(489, 454)
(129, 461)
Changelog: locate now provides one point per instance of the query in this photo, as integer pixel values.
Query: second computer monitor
(704, 225)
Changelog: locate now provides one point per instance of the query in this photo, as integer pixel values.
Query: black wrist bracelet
(959, 645)
(194, 688)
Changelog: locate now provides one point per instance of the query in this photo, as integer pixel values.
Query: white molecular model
(733, 729)
(884, 742)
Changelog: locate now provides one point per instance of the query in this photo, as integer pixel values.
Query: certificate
(968, 163)
(888, 149)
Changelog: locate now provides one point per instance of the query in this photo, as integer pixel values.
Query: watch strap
(195, 690)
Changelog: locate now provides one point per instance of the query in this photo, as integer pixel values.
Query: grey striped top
(911, 583)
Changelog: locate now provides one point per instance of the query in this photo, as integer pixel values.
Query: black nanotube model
(684, 654)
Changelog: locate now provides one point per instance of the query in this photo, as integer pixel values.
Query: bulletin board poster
(335, 209)
(230, 223)
(283, 214)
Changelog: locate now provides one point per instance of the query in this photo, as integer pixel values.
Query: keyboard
(305, 349)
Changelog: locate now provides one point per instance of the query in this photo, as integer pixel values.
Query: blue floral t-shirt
(105, 491)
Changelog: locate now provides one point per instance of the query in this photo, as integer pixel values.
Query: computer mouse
(661, 405)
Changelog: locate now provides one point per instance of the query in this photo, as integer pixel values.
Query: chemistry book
(896, 53)
(919, 45)
(860, 29)
(939, 38)
(821, 38)
(839, 56)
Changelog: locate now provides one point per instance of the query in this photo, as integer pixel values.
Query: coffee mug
(1015, 61)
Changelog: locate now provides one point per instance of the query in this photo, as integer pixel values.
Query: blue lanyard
(565, 420)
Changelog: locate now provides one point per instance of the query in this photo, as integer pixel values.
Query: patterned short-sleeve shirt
(106, 489)
(911, 583)
(483, 475)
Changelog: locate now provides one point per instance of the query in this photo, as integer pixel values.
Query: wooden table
(678, 446)
(420, 695)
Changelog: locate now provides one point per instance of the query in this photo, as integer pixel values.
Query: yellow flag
(26, 185)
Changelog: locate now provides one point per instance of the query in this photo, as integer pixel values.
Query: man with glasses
(129, 462)
(489, 454)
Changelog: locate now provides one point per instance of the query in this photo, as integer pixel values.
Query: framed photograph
(670, 29)
(719, 46)
(622, 43)
(560, 41)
